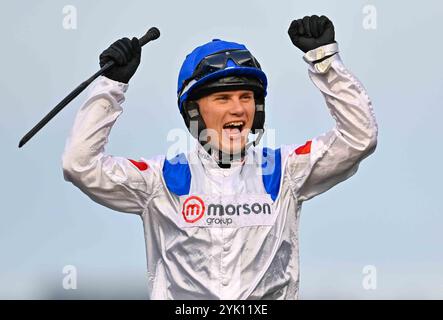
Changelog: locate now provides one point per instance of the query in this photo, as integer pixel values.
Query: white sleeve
(334, 156)
(121, 184)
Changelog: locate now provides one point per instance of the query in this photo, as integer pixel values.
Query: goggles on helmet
(219, 61)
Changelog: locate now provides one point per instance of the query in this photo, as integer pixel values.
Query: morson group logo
(226, 214)
(193, 209)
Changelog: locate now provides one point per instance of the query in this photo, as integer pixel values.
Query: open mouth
(233, 128)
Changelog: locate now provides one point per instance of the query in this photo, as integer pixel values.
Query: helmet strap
(193, 120)
(259, 115)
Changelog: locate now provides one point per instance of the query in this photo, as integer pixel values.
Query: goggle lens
(218, 61)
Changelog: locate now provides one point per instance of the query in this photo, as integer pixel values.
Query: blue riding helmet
(214, 60)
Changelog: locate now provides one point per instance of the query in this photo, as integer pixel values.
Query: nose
(237, 108)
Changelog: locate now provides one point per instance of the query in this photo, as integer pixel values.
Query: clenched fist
(126, 54)
(311, 32)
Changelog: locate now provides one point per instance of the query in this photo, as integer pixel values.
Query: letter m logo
(193, 209)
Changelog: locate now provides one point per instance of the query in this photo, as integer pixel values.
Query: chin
(234, 148)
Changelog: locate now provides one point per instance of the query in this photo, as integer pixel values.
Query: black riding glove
(126, 54)
(311, 32)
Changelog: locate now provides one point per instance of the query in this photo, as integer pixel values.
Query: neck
(223, 159)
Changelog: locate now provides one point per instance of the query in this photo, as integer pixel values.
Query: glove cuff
(321, 52)
(320, 58)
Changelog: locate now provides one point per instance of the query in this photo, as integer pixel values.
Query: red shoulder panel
(141, 165)
(304, 149)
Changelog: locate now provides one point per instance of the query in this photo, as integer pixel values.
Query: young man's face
(228, 116)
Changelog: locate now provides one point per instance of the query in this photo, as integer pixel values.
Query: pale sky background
(388, 215)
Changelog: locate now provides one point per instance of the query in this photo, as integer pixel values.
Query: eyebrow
(219, 94)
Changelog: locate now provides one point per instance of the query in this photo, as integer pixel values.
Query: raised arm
(334, 156)
(116, 182)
